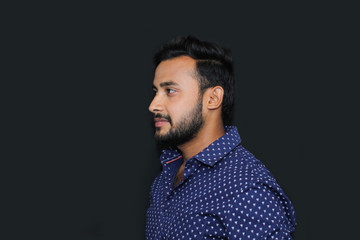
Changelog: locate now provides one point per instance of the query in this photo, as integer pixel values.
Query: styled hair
(214, 67)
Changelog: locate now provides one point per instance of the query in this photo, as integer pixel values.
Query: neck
(207, 135)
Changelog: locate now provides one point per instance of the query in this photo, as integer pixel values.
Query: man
(210, 186)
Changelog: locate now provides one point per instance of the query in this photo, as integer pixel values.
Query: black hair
(214, 67)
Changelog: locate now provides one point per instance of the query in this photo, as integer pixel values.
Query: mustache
(167, 117)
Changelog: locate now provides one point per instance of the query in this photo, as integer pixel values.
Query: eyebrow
(166, 84)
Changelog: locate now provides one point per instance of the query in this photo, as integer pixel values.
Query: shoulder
(255, 189)
(244, 169)
(245, 174)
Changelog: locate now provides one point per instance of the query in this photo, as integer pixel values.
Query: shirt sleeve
(259, 212)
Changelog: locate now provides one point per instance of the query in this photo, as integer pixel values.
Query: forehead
(181, 70)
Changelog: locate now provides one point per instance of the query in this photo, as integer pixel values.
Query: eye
(170, 91)
(154, 92)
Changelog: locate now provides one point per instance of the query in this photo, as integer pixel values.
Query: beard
(186, 129)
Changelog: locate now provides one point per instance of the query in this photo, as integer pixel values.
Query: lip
(160, 122)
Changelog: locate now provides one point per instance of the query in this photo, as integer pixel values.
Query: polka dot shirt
(226, 193)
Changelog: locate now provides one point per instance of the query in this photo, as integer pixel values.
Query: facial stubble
(185, 130)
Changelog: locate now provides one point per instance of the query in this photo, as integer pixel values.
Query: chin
(159, 134)
(162, 130)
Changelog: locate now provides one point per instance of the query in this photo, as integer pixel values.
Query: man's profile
(210, 186)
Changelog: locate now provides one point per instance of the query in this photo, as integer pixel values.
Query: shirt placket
(168, 209)
(190, 168)
(169, 173)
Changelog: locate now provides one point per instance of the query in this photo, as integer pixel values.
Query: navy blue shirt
(226, 193)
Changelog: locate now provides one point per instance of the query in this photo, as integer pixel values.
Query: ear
(215, 97)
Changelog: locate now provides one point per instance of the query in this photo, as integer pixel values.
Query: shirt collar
(211, 154)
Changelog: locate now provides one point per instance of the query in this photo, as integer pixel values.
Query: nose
(155, 105)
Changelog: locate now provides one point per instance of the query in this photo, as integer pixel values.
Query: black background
(81, 152)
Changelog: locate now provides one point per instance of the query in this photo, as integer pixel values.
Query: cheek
(179, 113)
(180, 108)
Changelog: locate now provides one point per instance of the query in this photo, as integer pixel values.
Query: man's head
(186, 69)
